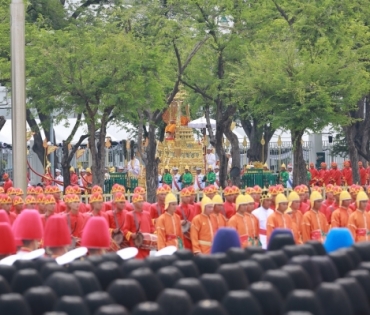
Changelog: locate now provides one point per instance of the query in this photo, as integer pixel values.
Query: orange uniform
(247, 226)
(340, 217)
(297, 217)
(314, 226)
(359, 224)
(202, 232)
(219, 220)
(278, 220)
(169, 231)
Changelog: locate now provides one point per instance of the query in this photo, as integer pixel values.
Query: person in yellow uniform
(294, 203)
(218, 216)
(168, 225)
(202, 229)
(279, 219)
(244, 222)
(359, 221)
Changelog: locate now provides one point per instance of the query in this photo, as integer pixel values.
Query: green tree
(89, 69)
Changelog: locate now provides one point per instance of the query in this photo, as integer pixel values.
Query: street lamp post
(19, 141)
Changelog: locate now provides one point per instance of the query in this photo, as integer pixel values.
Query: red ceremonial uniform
(230, 209)
(143, 222)
(74, 179)
(335, 177)
(197, 208)
(90, 214)
(327, 208)
(7, 184)
(76, 223)
(60, 206)
(12, 217)
(347, 176)
(156, 210)
(363, 175)
(324, 177)
(114, 215)
(304, 207)
(188, 211)
(314, 175)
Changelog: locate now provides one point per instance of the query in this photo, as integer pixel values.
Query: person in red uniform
(18, 204)
(137, 221)
(31, 191)
(55, 192)
(73, 177)
(6, 203)
(39, 190)
(257, 195)
(28, 229)
(30, 202)
(273, 191)
(49, 204)
(7, 182)
(19, 192)
(363, 174)
(57, 237)
(236, 192)
(251, 192)
(97, 204)
(96, 243)
(40, 203)
(328, 206)
(324, 175)
(335, 175)
(116, 188)
(141, 191)
(76, 221)
(314, 175)
(193, 194)
(303, 207)
(157, 208)
(229, 204)
(340, 216)
(186, 212)
(94, 190)
(117, 216)
(12, 192)
(347, 174)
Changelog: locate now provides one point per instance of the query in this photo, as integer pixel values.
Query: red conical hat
(48, 189)
(96, 197)
(96, 233)
(55, 189)
(49, 200)
(29, 199)
(19, 192)
(18, 201)
(118, 188)
(57, 233)
(29, 226)
(7, 244)
(11, 191)
(96, 189)
(5, 199)
(31, 190)
(69, 190)
(4, 217)
(40, 198)
(38, 190)
(119, 197)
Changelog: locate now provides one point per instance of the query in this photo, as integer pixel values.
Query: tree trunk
(299, 167)
(255, 132)
(221, 155)
(151, 167)
(2, 122)
(350, 132)
(37, 137)
(235, 153)
(66, 165)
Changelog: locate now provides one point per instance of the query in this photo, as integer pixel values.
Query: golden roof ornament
(245, 142)
(279, 142)
(263, 140)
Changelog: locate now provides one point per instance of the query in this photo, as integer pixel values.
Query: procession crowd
(185, 223)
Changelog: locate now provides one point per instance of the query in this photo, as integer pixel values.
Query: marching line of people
(187, 224)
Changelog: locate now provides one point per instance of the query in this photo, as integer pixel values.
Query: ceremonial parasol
(201, 123)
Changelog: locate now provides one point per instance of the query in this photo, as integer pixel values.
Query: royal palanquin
(179, 149)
